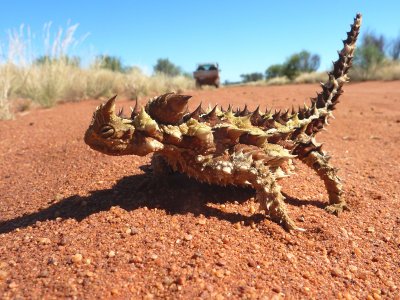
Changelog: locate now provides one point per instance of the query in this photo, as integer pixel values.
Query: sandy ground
(74, 225)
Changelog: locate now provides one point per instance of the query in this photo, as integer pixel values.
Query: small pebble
(114, 291)
(357, 251)
(43, 274)
(252, 209)
(202, 221)
(353, 268)
(219, 273)
(44, 241)
(237, 225)
(153, 256)
(3, 275)
(376, 296)
(336, 272)
(276, 289)
(111, 254)
(58, 197)
(188, 237)
(76, 258)
(180, 280)
(221, 263)
(251, 263)
(371, 229)
(135, 259)
(12, 285)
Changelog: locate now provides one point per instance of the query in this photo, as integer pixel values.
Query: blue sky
(242, 36)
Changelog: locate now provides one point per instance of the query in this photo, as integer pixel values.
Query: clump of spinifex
(231, 147)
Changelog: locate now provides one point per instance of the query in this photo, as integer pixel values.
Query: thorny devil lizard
(230, 147)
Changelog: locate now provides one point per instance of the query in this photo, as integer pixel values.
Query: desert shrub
(296, 64)
(108, 62)
(300, 62)
(394, 49)
(166, 67)
(252, 77)
(46, 59)
(274, 71)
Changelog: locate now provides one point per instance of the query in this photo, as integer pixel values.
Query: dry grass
(273, 81)
(386, 71)
(24, 82)
(52, 82)
(312, 77)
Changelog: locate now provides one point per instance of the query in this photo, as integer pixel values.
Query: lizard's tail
(322, 105)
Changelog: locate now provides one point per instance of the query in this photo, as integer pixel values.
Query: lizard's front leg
(159, 172)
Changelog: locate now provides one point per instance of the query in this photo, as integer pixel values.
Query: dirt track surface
(74, 225)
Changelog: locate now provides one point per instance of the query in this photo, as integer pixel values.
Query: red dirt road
(73, 225)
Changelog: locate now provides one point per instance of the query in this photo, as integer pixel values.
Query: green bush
(166, 67)
(296, 64)
(274, 71)
(46, 59)
(252, 77)
(109, 62)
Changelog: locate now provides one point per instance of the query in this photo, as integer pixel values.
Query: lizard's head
(114, 134)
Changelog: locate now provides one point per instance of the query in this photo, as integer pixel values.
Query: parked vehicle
(207, 74)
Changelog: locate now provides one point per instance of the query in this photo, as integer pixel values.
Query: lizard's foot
(286, 223)
(337, 208)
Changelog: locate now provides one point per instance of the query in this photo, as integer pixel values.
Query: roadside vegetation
(27, 81)
(376, 58)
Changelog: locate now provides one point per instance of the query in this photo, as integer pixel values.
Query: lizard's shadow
(182, 196)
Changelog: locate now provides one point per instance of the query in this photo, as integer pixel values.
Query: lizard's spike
(244, 112)
(109, 106)
(196, 113)
(108, 109)
(212, 115)
(301, 113)
(135, 111)
(285, 116)
(120, 112)
(256, 117)
(168, 108)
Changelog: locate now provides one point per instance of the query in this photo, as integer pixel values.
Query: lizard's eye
(107, 131)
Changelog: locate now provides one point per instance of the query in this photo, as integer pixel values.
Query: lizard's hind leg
(318, 160)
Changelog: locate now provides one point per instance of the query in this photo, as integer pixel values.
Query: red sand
(73, 225)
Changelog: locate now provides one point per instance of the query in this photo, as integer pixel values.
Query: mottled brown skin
(239, 148)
